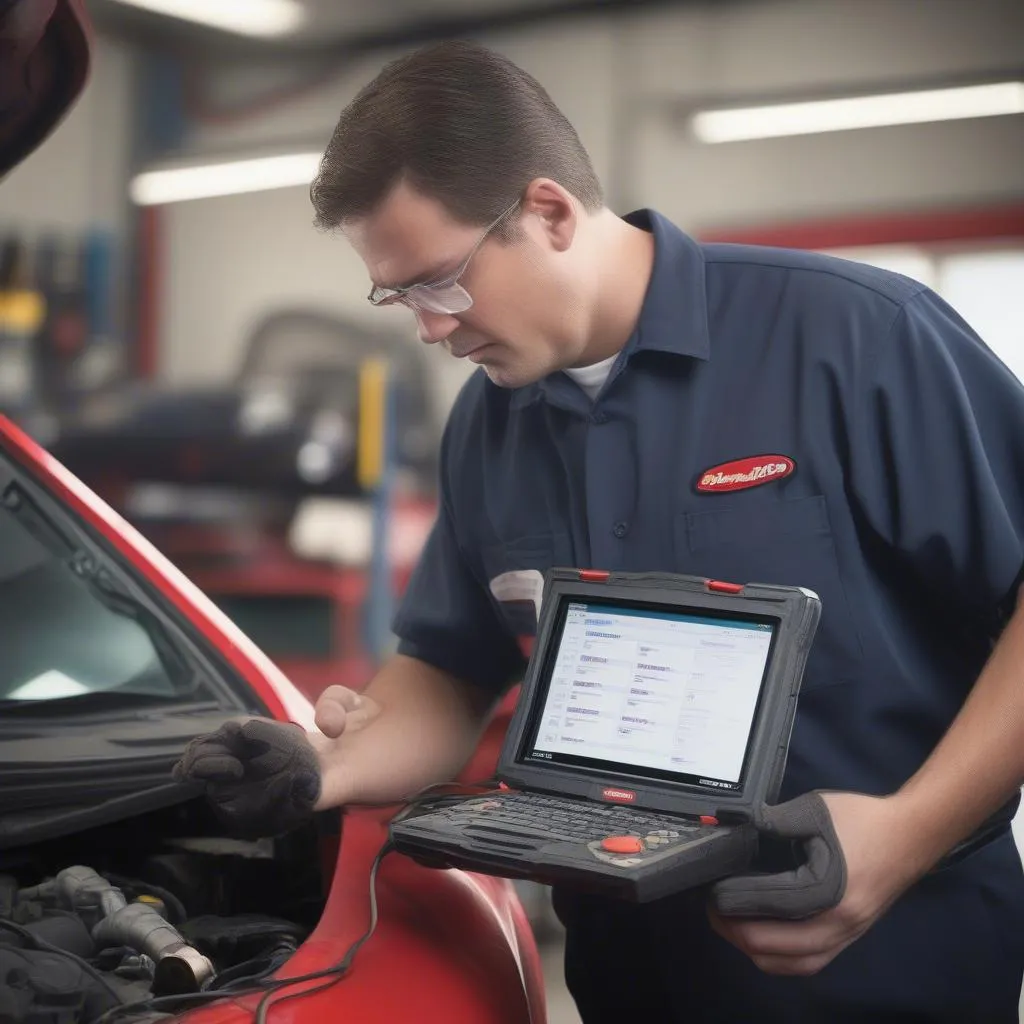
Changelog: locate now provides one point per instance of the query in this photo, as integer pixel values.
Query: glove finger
(275, 747)
(801, 818)
(265, 811)
(216, 768)
(814, 886)
(306, 790)
(200, 749)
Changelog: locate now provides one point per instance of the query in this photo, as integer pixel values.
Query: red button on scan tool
(622, 844)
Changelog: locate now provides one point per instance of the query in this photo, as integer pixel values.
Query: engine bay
(127, 920)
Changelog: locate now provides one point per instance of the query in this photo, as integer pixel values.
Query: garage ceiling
(346, 24)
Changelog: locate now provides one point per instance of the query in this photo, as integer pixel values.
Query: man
(621, 364)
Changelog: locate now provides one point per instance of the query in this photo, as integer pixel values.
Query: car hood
(60, 765)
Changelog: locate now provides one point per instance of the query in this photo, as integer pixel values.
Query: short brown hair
(459, 123)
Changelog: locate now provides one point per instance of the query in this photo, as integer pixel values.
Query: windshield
(69, 630)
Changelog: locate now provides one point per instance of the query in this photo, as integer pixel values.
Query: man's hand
(262, 777)
(265, 777)
(340, 710)
(877, 862)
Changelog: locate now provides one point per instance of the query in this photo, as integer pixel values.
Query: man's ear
(553, 209)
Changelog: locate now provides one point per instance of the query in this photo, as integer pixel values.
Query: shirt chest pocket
(514, 573)
(783, 542)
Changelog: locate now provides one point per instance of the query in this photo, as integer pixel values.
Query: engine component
(139, 926)
(42, 987)
(179, 967)
(62, 929)
(237, 939)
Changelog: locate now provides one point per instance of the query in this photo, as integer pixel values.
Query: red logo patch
(619, 796)
(742, 473)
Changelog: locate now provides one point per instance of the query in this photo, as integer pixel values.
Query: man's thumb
(331, 718)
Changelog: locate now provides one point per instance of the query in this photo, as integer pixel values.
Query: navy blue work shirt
(894, 489)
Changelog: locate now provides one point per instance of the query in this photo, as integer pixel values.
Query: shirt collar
(674, 314)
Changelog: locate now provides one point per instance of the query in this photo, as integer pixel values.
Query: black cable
(243, 974)
(336, 972)
(485, 787)
(43, 945)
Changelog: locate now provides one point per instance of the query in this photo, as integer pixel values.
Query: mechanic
(625, 369)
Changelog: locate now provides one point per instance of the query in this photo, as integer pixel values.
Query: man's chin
(504, 376)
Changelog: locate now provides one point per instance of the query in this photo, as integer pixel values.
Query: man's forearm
(978, 765)
(426, 730)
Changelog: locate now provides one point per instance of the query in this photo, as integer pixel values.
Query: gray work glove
(262, 777)
(814, 886)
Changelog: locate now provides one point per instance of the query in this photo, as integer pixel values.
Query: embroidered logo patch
(742, 473)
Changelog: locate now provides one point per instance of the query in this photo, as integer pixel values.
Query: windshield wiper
(103, 585)
(113, 595)
(105, 700)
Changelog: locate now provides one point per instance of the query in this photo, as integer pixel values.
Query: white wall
(799, 46)
(77, 179)
(231, 260)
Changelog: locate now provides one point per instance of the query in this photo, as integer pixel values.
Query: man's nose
(434, 327)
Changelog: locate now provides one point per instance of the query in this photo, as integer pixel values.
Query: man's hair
(460, 124)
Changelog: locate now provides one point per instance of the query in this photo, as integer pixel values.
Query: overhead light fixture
(814, 116)
(204, 181)
(247, 17)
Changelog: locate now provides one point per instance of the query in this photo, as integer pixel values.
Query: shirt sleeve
(937, 458)
(447, 617)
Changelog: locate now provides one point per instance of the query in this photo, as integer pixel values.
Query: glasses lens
(448, 299)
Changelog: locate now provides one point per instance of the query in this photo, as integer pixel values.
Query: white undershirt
(591, 378)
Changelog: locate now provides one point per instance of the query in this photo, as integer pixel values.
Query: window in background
(987, 290)
(986, 287)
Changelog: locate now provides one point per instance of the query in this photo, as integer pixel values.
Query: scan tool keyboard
(614, 833)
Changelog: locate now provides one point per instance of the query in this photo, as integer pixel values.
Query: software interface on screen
(665, 691)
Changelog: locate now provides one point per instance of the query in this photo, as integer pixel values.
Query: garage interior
(177, 332)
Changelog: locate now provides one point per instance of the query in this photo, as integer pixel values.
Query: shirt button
(599, 417)
(620, 529)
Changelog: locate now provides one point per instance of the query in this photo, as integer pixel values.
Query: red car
(112, 662)
(121, 895)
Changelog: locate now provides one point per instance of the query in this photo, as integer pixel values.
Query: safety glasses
(446, 296)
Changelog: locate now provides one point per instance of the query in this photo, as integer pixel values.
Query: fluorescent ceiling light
(811, 117)
(247, 17)
(259, 174)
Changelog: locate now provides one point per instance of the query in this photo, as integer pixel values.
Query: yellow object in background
(21, 311)
(373, 387)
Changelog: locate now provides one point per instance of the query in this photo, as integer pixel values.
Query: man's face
(525, 319)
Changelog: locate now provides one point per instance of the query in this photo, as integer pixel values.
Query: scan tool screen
(647, 691)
